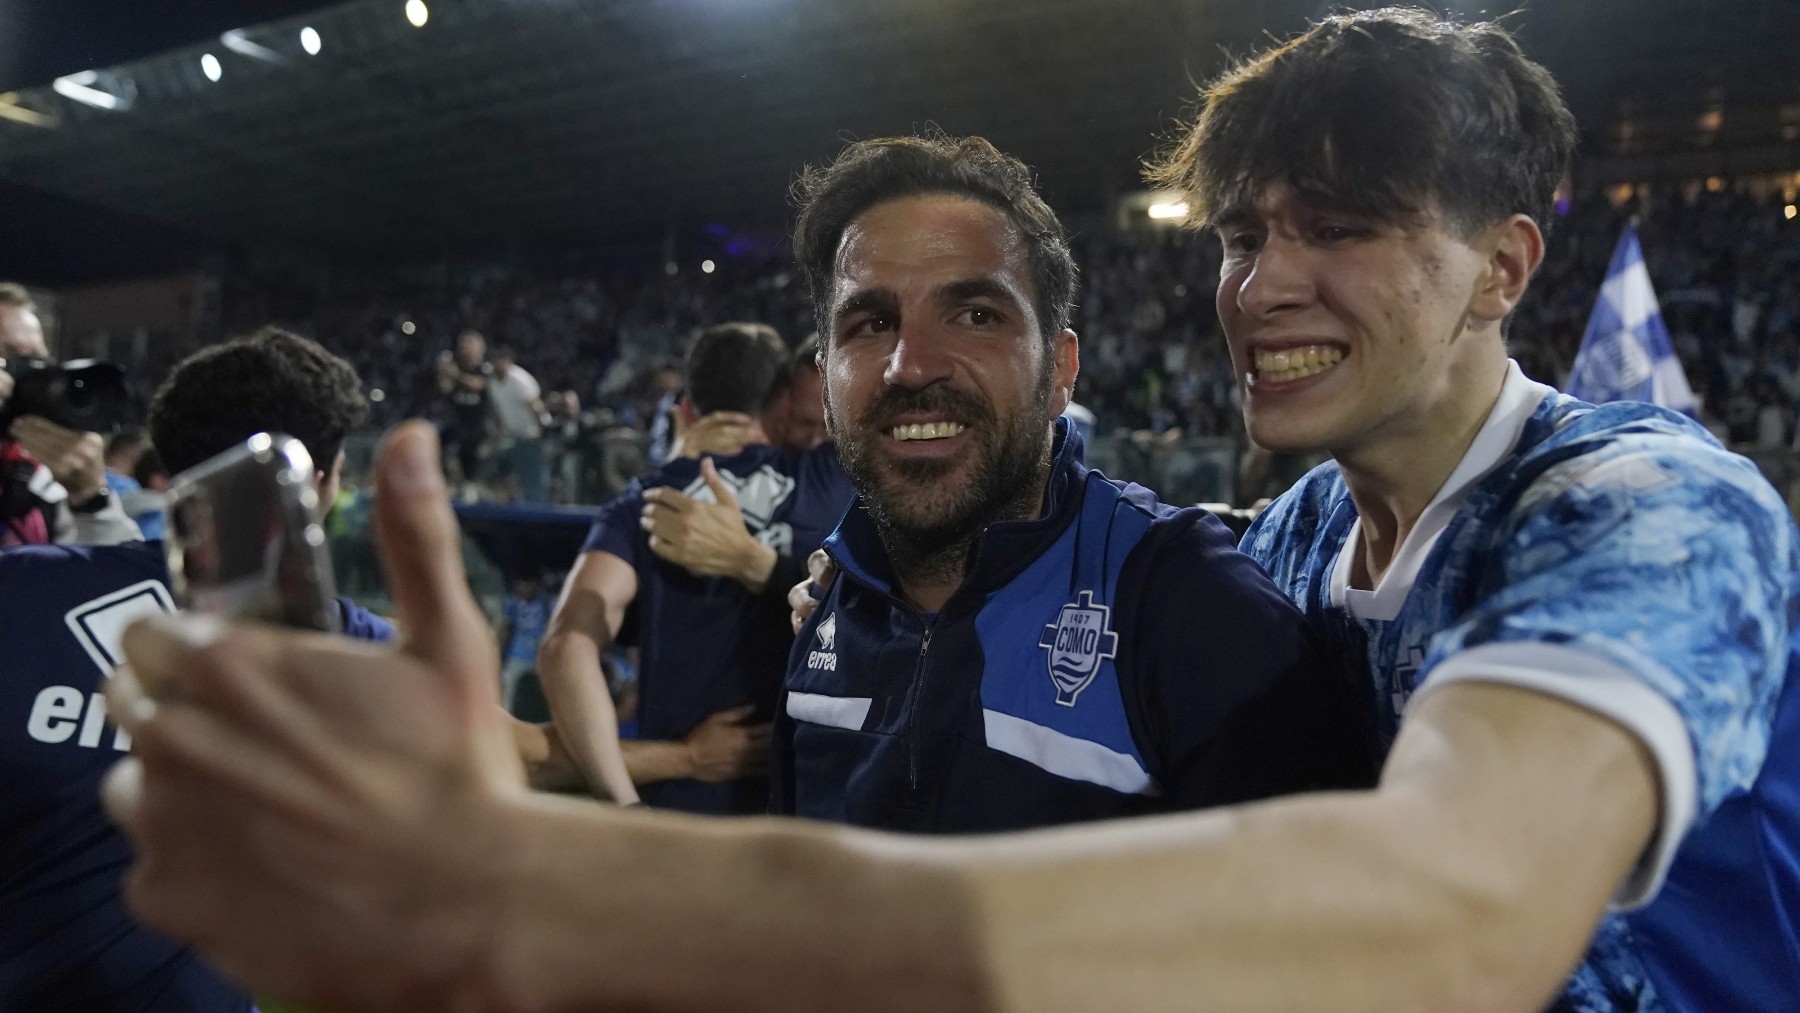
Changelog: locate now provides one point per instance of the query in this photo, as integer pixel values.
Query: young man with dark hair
(1615, 544)
(711, 625)
(271, 382)
(1587, 609)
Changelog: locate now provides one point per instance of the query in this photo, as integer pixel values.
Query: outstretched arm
(1470, 879)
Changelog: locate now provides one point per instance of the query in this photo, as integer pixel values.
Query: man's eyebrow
(1233, 216)
(869, 300)
(974, 288)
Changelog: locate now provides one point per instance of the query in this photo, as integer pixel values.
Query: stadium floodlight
(239, 43)
(707, 267)
(84, 88)
(1178, 209)
(209, 65)
(10, 109)
(310, 41)
(417, 13)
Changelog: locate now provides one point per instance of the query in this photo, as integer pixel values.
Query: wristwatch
(93, 504)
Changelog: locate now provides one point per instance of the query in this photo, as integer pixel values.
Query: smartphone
(244, 541)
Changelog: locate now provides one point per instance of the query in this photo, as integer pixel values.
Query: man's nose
(919, 359)
(1280, 280)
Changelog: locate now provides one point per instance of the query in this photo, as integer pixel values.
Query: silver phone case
(242, 540)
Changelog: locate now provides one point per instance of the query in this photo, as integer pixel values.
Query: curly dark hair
(873, 172)
(1381, 113)
(274, 381)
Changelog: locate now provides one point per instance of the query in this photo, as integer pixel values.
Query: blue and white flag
(1626, 354)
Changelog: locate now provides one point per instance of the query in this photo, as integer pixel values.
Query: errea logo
(824, 656)
(60, 714)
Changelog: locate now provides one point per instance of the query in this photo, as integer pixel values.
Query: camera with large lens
(82, 394)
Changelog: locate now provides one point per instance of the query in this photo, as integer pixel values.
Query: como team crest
(1078, 642)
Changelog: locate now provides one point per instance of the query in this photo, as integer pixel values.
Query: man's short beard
(1006, 482)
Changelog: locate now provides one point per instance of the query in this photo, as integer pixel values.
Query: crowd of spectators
(1154, 367)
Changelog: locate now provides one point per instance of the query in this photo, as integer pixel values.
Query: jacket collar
(1001, 551)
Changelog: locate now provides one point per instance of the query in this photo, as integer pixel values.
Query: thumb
(721, 490)
(421, 553)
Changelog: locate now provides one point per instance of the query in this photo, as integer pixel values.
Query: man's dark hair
(873, 172)
(1381, 114)
(735, 367)
(273, 381)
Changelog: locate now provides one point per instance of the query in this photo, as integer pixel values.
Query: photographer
(52, 478)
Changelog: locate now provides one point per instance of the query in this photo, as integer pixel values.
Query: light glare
(1792, 211)
(407, 327)
(378, 395)
(80, 87)
(310, 41)
(209, 65)
(707, 266)
(1176, 210)
(417, 13)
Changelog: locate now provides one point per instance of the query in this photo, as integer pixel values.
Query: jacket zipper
(915, 730)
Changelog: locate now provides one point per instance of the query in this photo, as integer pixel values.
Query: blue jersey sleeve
(1667, 558)
(616, 529)
(361, 624)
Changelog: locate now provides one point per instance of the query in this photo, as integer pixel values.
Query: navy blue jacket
(707, 644)
(67, 941)
(1115, 656)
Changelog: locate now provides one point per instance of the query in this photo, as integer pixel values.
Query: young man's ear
(326, 484)
(1514, 248)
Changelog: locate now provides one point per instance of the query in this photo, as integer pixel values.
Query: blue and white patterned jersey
(1619, 558)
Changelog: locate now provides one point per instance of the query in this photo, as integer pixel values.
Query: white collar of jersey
(1519, 398)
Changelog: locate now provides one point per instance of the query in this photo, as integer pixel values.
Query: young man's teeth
(1294, 363)
(926, 431)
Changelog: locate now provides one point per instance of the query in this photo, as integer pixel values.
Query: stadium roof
(507, 122)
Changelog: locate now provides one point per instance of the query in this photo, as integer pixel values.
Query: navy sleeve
(616, 530)
(1230, 694)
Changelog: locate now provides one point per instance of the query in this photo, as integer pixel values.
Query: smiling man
(1588, 608)
(1018, 641)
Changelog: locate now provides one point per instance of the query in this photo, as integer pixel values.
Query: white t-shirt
(513, 396)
